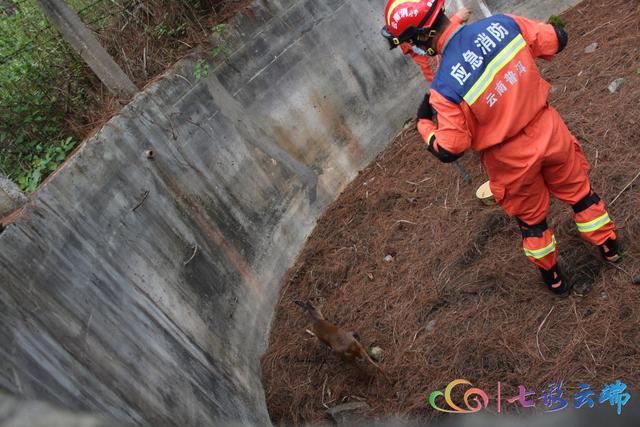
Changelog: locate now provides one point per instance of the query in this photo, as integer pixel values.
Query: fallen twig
(404, 221)
(590, 353)
(596, 28)
(538, 333)
(198, 126)
(323, 386)
(144, 197)
(414, 338)
(623, 190)
(195, 250)
(622, 269)
(419, 182)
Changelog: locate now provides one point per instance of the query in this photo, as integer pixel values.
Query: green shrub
(556, 20)
(40, 80)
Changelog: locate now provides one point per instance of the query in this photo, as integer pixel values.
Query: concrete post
(86, 44)
(11, 198)
(8, 7)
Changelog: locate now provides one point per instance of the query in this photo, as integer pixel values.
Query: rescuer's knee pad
(586, 202)
(536, 230)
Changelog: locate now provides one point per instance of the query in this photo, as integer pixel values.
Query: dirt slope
(459, 299)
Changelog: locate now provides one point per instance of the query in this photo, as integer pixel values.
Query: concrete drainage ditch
(142, 288)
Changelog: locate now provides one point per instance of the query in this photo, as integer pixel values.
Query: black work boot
(555, 281)
(611, 251)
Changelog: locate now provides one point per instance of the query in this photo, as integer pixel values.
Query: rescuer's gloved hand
(425, 111)
(464, 13)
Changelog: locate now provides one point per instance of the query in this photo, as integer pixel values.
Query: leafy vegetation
(557, 21)
(50, 100)
(201, 70)
(220, 49)
(39, 81)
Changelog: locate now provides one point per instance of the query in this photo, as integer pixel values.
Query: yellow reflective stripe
(596, 224)
(541, 253)
(431, 135)
(502, 59)
(396, 3)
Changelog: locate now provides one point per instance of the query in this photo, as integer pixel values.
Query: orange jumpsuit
(489, 96)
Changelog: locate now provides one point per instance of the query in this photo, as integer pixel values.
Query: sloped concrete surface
(540, 9)
(15, 413)
(11, 198)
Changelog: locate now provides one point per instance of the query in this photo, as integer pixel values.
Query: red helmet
(406, 19)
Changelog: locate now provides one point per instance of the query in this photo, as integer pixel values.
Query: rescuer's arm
(544, 40)
(449, 139)
(422, 61)
(462, 15)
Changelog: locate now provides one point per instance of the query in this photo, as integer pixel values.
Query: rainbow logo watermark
(475, 399)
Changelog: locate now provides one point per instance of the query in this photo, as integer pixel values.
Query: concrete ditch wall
(16, 413)
(11, 198)
(142, 286)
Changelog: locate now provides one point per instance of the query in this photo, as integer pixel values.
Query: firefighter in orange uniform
(488, 95)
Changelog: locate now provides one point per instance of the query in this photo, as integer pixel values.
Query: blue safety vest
(474, 55)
